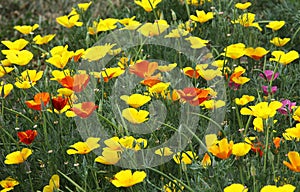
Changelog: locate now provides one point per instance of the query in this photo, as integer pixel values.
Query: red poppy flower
(76, 83)
(84, 109)
(258, 148)
(28, 136)
(59, 102)
(38, 100)
(144, 68)
(193, 95)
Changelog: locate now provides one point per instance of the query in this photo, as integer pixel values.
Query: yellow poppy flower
(5, 89)
(247, 20)
(60, 61)
(59, 75)
(126, 178)
(219, 63)
(277, 41)
(159, 88)
(110, 73)
(284, 58)
(258, 124)
(69, 21)
(202, 17)
(53, 184)
(17, 45)
(186, 157)
(26, 29)
(177, 33)
(213, 104)
(244, 100)
(296, 115)
(66, 92)
(84, 6)
(134, 116)
(5, 70)
(153, 29)
(293, 133)
(18, 157)
(165, 151)
(107, 24)
(234, 51)
(284, 188)
(275, 25)
(256, 53)
(147, 5)
(197, 42)
(5, 62)
(166, 68)
(240, 149)
(28, 78)
(136, 100)
(8, 184)
(43, 40)
(263, 110)
(20, 57)
(236, 187)
(109, 157)
(97, 52)
(90, 144)
(243, 6)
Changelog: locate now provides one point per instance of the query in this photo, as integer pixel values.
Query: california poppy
(144, 68)
(38, 100)
(27, 136)
(76, 83)
(84, 109)
(59, 102)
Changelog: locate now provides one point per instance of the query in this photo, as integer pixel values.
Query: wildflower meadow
(150, 95)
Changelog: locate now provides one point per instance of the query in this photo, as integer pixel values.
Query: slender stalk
(266, 146)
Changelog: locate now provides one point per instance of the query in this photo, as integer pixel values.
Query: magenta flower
(268, 75)
(266, 90)
(287, 106)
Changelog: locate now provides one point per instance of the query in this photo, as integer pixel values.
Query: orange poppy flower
(59, 102)
(84, 109)
(38, 100)
(190, 72)
(277, 141)
(294, 164)
(150, 81)
(28, 136)
(222, 149)
(143, 68)
(193, 95)
(76, 83)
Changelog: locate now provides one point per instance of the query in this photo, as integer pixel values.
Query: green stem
(266, 146)
(247, 125)
(20, 114)
(241, 174)
(70, 180)
(45, 129)
(187, 8)
(238, 117)
(30, 181)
